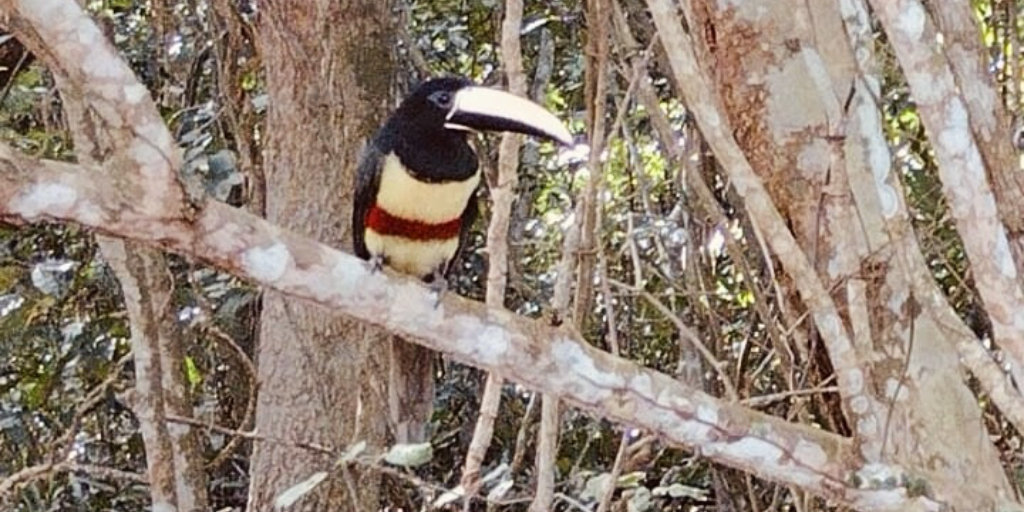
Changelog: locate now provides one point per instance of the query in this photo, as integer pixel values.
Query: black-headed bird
(416, 184)
(415, 204)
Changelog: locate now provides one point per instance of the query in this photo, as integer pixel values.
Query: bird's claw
(376, 263)
(438, 285)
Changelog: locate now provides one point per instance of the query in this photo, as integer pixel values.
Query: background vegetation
(66, 385)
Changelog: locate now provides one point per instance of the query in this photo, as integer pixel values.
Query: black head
(428, 107)
(454, 105)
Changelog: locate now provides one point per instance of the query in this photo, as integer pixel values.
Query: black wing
(367, 184)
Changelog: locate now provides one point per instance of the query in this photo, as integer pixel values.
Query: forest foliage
(66, 385)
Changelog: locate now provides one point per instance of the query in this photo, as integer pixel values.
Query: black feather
(367, 184)
(415, 133)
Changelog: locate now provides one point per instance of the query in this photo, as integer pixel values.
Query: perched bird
(414, 206)
(414, 199)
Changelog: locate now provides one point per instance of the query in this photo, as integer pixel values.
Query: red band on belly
(384, 223)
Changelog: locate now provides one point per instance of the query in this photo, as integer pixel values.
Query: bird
(415, 202)
(416, 183)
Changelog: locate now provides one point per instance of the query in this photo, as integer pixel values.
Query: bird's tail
(410, 390)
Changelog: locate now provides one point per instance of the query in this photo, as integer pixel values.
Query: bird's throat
(404, 196)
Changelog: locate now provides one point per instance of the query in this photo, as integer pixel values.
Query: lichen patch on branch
(266, 264)
(44, 199)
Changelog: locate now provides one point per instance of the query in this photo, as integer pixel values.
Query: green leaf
(630, 480)
(293, 493)
(410, 455)
(909, 119)
(678, 490)
(745, 298)
(192, 373)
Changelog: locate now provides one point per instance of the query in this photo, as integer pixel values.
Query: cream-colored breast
(414, 257)
(403, 196)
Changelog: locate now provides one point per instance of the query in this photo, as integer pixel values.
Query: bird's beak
(482, 108)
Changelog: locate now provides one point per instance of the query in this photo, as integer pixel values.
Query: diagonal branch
(118, 106)
(695, 88)
(989, 119)
(962, 169)
(550, 360)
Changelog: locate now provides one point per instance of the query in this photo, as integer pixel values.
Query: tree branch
(990, 121)
(547, 359)
(695, 88)
(119, 107)
(962, 170)
(503, 194)
(173, 457)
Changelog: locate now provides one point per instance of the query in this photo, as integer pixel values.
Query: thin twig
(1013, 54)
(14, 73)
(688, 335)
(763, 400)
(250, 404)
(520, 451)
(95, 396)
(609, 305)
(249, 434)
(503, 194)
(547, 451)
(596, 92)
(609, 490)
(27, 475)
(613, 342)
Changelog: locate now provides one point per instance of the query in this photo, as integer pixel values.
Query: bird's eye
(442, 99)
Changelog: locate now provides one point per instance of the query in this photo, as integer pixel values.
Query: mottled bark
(329, 71)
(956, 129)
(553, 361)
(549, 360)
(410, 387)
(700, 95)
(106, 139)
(929, 400)
(174, 454)
(990, 121)
(804, 113)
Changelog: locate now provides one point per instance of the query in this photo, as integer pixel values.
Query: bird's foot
(377, 262)
(438, 285)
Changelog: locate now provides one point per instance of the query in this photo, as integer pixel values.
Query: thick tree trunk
(410, 390)
(329, 70)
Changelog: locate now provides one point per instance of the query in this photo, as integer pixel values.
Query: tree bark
(329, 71)
(803, 111)
(553, 361)
(956, 127)
(174, 456)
